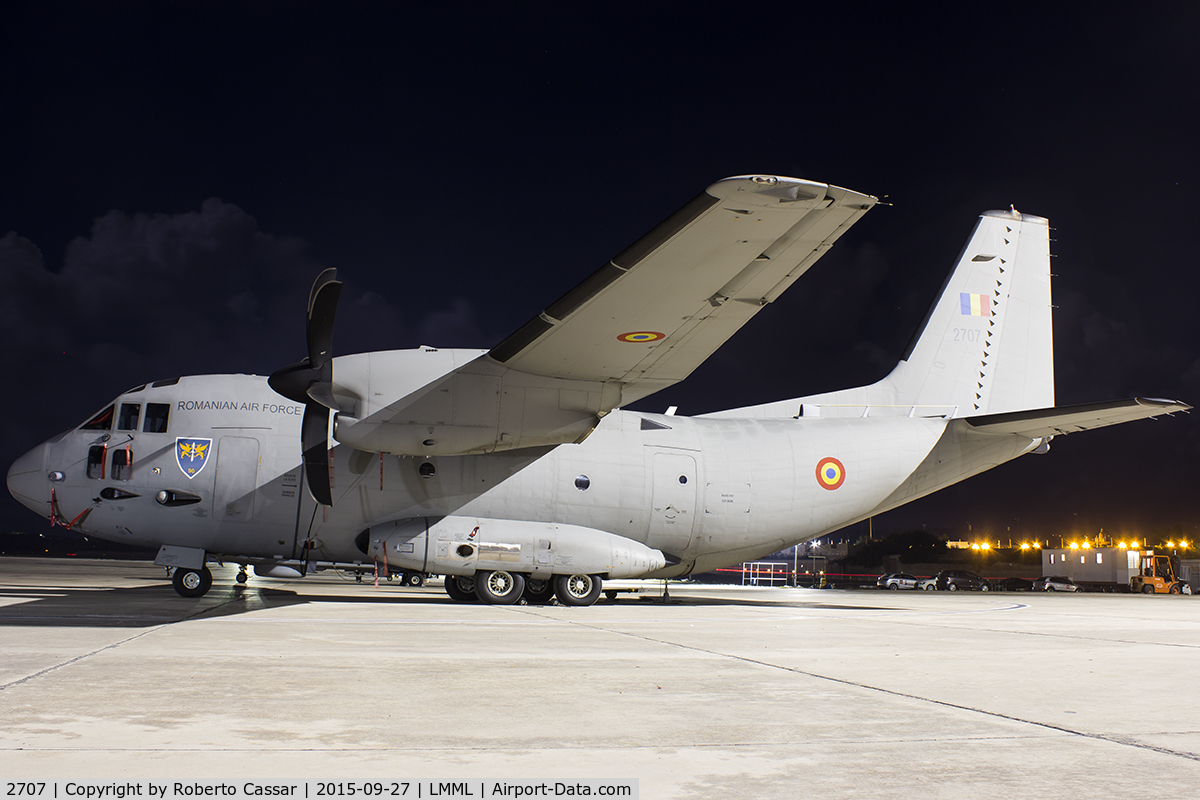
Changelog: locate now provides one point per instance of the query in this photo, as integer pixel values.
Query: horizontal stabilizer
(1069, 419)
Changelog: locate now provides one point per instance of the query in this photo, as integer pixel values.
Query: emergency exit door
(237, 479)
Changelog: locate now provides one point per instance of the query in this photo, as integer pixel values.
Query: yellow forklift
(1157, 575)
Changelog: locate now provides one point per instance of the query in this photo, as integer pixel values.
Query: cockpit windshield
(101, 422)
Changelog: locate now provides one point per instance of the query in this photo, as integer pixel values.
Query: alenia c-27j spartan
(515, 473)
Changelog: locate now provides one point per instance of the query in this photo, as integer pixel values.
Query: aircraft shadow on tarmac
(158, 604)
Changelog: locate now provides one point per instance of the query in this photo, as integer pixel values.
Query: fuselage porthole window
(156, 418)
(95, 461)
(127, 420)
(122, 464)
(101, 422)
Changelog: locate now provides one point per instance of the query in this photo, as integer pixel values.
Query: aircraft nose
(27, 480)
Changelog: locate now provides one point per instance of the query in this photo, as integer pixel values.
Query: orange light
(1074, 545)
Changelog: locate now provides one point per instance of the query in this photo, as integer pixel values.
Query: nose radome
(27, 480)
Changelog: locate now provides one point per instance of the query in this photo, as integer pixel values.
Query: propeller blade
(322, 308)
(311, 382)
(293, 381)
(315, 440)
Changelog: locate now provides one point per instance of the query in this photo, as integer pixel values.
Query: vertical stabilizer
(987, 344)
(985, 347)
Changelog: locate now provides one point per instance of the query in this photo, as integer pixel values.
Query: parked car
(954, 580)
(927, 584)
(1014, 585)
(1056, 583)
(896, 580)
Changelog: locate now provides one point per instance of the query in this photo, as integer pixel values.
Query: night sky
(173, 181)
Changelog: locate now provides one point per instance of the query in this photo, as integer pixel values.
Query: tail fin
(987, 343)
(985, 347)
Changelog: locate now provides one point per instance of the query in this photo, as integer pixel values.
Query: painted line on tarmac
(97, 651)
(1119, 740)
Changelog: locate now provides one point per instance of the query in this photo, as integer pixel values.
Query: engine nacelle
(462, 545)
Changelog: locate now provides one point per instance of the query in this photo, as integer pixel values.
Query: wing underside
(657, 310)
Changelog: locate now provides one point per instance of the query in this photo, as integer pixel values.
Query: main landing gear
(502, 588)
(191, 582)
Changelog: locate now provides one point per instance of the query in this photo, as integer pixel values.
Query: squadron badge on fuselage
(191, 453)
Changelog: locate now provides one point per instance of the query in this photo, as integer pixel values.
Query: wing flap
(1071, 419)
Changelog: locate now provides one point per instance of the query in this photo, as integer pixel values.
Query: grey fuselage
(705, 491)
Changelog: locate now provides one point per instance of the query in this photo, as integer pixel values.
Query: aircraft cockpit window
(101, 422)
(156, 418)
(122, 464)
(128, 418)
(95, 462)
(167, 382)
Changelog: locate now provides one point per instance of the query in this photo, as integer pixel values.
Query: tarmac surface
(108, 678)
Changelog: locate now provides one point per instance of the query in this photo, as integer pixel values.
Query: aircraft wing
(662, 306)
(1070, 419)
(640, 323)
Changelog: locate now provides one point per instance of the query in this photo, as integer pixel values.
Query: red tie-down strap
(57, 518)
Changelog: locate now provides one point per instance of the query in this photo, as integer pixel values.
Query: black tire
(192, 582)
(894, 586)
(953, 587)
(499, 587)
(1175, 588)
(538, 591)
(461, 588)
(985, 588)
(929, 587)
(577, 590)
(1147, 588)
(416, 579)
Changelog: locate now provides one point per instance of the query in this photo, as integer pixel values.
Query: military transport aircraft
(515, 473)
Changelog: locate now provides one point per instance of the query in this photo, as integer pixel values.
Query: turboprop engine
(467, 545)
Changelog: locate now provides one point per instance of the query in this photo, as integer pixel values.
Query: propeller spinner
(311, 382)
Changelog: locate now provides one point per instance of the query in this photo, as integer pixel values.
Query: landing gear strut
(192, 582)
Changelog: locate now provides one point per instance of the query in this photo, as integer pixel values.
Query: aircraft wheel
(192, 582)
(416, 579)
(461, 588)
(1147, 589)
(242, 577)
(538, 592)
(577, 590)
(499, 587)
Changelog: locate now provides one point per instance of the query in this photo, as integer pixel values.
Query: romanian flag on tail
(975, 305)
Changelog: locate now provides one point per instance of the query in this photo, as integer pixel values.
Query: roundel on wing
(640, 336)
(831, 473)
